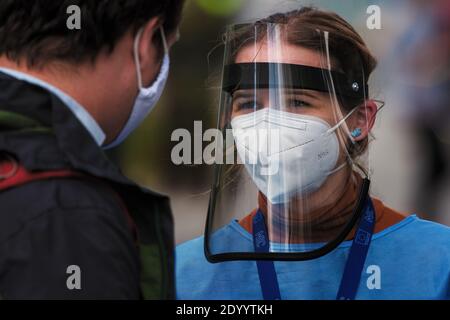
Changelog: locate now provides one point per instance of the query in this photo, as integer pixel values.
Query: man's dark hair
(36, 30)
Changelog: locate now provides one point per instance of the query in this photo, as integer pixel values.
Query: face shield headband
(241, 76)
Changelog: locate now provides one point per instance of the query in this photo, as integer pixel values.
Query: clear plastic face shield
(294, 119)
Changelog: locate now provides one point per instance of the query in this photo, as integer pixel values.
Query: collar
(78, 110)
(385, 218)
(69, 146)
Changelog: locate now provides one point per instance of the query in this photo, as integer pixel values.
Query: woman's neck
(317, 217)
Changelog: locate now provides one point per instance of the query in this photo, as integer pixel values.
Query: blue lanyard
(266, 269)
(353, 268)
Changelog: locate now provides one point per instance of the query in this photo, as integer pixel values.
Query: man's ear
(364, 119)
(147, 51)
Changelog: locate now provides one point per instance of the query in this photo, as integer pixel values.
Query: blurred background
(410, 156)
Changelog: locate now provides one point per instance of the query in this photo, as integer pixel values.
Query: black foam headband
(269, 75)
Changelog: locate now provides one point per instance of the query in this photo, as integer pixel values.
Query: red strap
(12, 174)
(17, 175)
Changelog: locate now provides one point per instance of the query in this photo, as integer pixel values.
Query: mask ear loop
(164, 39)
(136, 58)
(331, 130)
(341, 122)
(137, 61)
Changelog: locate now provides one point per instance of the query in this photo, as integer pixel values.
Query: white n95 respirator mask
(286, 153)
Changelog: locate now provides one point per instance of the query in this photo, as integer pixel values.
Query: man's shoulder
(52, 224)
(37, 200)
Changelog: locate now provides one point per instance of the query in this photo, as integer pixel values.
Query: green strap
(21, 123)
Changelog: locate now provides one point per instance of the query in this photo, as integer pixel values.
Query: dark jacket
(47, 226)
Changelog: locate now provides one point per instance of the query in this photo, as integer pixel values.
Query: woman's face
(300, 101)
(297, 101)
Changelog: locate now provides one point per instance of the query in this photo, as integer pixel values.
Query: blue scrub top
(408, 260)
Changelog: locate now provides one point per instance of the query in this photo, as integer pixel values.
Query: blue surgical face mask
(147, 97)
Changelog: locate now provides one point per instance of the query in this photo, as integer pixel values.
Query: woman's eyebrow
(243, 94)
(308, 93)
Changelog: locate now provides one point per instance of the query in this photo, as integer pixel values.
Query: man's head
(94, 64)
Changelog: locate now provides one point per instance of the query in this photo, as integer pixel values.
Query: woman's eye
(298, 103)
(247, 105)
